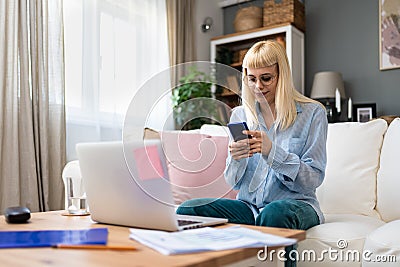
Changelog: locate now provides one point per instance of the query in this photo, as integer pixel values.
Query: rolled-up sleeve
(305, 171)
(234, 171)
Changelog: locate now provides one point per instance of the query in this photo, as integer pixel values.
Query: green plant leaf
(196, 84)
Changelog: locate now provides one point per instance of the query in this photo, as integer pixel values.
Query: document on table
(206, 239)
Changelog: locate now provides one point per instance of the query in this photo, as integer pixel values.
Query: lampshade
(325, 84)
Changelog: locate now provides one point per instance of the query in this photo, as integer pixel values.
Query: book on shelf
(233, 85)
(224, 113)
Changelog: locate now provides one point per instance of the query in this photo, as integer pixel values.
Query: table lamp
(328, 88)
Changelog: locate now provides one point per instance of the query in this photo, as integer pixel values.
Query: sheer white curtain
(111, 48)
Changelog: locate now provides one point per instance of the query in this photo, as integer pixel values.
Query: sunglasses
(265, 79)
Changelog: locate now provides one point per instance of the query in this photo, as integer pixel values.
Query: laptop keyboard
(186, 222)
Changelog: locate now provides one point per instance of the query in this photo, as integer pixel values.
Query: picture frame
(389, 34)
(364, 112)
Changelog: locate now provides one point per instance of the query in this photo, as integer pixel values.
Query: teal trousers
(285, 213)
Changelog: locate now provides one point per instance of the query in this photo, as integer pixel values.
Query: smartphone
(236, 129)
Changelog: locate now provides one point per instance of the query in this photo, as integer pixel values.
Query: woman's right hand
(240, 149)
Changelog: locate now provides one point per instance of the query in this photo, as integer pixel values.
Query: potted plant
(192, 100)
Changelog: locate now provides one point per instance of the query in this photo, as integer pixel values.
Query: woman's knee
(194, 206)
(277, 214)
(234, 210)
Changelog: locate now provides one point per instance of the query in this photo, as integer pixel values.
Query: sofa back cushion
(388, 182)
(353, 151)
(196, 164)
(214, 130)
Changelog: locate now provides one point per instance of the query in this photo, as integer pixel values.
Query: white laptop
(129, 189)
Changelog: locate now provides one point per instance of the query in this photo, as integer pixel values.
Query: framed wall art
(364, 112)
(389, 34)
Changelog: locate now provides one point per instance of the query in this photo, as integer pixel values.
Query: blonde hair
(264, 54)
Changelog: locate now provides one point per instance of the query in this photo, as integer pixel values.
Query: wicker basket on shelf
(248, 18)
(284, 11)
(242, 53)
(239, 55)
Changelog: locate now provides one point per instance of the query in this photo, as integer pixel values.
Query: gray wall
(343, 35)
(203, 9)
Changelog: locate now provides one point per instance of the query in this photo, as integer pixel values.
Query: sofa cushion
(214, 130)
(196, 164)
(388, 182)
(339, 232)
(353, 152)
(383, 242)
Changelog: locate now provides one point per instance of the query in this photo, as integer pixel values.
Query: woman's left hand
(259, 143)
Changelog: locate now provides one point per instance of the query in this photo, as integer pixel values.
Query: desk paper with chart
(207, 239)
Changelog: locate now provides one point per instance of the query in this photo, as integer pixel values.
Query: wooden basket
(238, 56)
(248, 18)
(284, 11)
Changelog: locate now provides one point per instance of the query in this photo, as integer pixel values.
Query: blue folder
(49, 238)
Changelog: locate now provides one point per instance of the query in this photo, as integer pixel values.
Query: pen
(103, 247)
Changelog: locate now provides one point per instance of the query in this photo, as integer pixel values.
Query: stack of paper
(206, 239)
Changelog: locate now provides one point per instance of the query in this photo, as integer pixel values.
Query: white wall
(203, 9)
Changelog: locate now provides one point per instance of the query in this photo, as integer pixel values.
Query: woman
(278, 170)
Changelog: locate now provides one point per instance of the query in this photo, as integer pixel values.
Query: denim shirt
(293, 169)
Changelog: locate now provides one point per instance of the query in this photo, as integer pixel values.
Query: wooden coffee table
(118, 235)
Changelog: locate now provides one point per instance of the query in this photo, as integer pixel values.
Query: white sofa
(359, 197)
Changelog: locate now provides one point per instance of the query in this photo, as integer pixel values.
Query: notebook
(132, 188)
(49, 238)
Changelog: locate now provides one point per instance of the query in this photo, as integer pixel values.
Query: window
(111, 48)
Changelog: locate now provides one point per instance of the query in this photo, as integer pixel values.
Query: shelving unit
(229, 49)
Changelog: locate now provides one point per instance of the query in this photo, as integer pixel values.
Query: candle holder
(337, 116)
(331, 112)
(349, 109)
